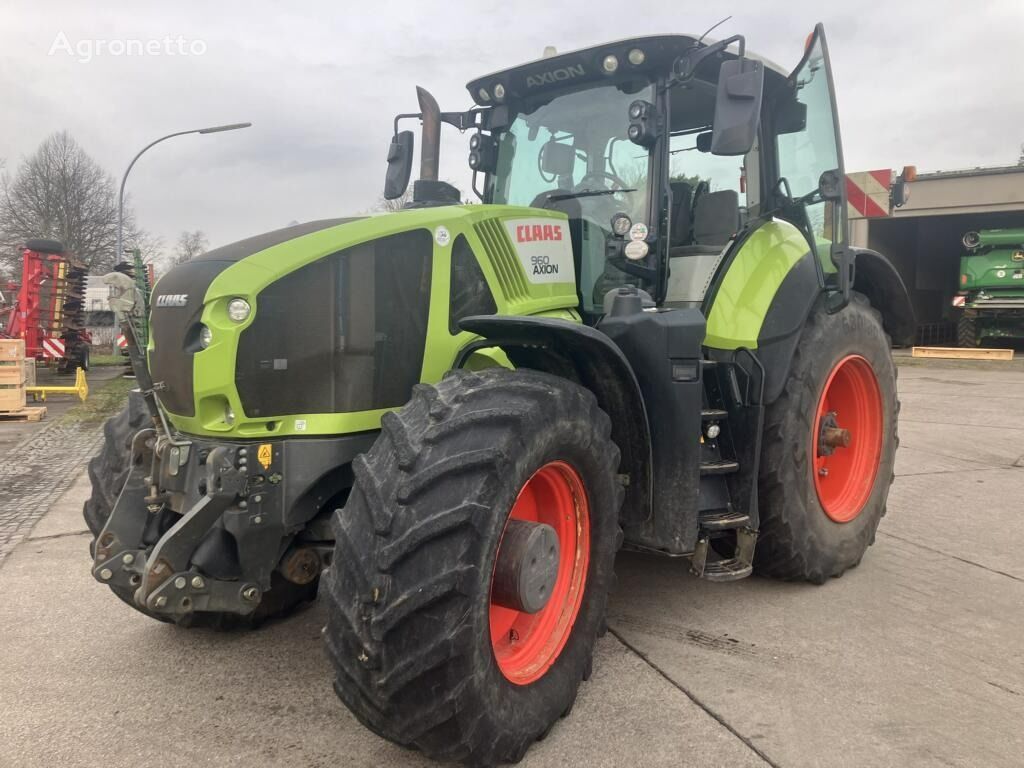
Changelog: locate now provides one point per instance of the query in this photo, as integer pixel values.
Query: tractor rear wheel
(829, 447)
(108, 472)
(473, 562)
(967, 331)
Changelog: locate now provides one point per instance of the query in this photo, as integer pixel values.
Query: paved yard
(914, 658)
(40, 459)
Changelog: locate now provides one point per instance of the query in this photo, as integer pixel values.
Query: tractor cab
(661, 151)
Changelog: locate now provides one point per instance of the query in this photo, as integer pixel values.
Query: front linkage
(217, 528)
(141, 554)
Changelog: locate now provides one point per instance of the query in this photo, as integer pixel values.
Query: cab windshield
(571, 153)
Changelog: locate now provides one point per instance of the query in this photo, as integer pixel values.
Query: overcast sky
(936, 84)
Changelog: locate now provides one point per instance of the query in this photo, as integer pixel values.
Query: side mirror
(557, 159)
(737, 106)
(830, 185)
(900, 192)
(399, 165)
(790, 117)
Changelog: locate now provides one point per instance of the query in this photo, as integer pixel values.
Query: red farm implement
(48, 310)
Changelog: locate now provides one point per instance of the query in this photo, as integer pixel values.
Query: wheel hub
(845, 458)
(540, 573)
(830, 436)
(527, 566)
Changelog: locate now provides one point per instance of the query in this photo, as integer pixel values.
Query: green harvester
(991, 293)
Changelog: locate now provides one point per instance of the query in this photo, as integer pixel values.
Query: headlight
(621, 224)
(636, 57)
(610, 63)
(499, 91)
(238, 310)
(205, 337)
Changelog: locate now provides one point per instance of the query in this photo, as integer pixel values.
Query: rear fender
(588, 357)
(766, 289)
(877, 278)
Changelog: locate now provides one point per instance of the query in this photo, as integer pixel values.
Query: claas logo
(532, 233)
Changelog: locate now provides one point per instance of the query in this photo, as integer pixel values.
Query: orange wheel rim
(527, 645)
(844, 474)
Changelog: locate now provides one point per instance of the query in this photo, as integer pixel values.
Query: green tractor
(447, 420)
(991, 295)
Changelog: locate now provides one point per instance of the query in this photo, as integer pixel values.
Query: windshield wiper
(588, 193)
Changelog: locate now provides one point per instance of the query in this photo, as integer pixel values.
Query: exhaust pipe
(430, 142)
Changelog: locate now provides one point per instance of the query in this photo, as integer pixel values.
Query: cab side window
(807, 143)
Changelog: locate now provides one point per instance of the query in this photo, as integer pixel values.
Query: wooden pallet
(30, 413)
(963, 353)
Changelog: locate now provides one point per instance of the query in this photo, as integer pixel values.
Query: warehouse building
(923, 238)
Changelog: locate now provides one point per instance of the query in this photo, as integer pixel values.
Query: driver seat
(716, 218)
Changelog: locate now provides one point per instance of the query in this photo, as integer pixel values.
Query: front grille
(171, 328)
(342, 334)
(503, 259)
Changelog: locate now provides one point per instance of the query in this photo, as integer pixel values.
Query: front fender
(580, 353)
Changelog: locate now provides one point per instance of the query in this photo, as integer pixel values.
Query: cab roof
(586, 65)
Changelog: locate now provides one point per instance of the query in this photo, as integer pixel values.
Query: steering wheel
(601, 177)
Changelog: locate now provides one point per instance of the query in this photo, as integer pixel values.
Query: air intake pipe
(430, 143)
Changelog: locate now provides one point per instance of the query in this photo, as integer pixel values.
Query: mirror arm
(462, 120)
(697, 55)
(404, 116)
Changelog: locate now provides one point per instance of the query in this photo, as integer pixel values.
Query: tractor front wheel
(828, 449)
(473, 562)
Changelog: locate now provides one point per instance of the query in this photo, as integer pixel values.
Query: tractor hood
(178, 300)
(320, 328)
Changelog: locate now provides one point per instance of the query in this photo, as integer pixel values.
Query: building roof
(997, 170)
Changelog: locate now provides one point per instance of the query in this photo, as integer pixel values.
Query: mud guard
(875, 277)
(582, 354)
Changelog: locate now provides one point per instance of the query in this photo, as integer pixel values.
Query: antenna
(710, 29)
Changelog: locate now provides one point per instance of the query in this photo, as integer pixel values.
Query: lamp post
(120, 193)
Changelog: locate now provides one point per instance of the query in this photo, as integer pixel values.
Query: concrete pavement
(913, 658)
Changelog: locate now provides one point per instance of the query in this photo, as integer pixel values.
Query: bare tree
(190, 245)
(61, 193)
(390, 206)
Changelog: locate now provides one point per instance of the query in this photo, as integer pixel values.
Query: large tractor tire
(427, 647)
(108, 472)
(829, 447)
(967, 331)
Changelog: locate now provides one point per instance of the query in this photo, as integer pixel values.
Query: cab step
(732, 569)
(719, 467)
(714, 414)
(723, 520)
(739, 566)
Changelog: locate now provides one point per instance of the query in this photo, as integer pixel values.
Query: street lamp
(120, 193)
